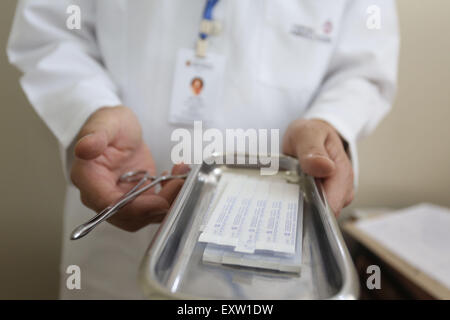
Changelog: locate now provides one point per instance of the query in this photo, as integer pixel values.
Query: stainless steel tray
(172, 267)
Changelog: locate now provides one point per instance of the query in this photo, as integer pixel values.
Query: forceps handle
(87, 227)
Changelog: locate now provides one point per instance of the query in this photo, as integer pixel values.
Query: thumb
(309, 147)
(180, 168)
(176, 170)
(97, 133)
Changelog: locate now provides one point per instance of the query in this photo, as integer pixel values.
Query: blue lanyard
(207, 14)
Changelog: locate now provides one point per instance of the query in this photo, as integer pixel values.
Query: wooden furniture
(399, 279)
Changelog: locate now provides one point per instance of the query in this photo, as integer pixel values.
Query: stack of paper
(254, 221)
(419, 234)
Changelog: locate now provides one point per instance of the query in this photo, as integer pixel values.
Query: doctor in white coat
(322, 72)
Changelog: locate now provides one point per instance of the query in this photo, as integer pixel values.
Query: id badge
(197, 87)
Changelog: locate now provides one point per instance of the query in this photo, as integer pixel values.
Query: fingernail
(86, 135)
(320, 156)
(314, 155)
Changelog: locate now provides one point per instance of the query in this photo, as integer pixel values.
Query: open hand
(110, 144)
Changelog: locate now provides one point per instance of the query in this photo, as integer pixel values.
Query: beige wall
(407, 160)
(31, 189)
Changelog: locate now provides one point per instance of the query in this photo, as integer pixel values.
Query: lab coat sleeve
(360, 83)
(63, 76)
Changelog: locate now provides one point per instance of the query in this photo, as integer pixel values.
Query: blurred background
(406, 160)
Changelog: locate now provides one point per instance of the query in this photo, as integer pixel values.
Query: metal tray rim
(153, 289)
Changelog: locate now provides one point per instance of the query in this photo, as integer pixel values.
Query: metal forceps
(142, 177)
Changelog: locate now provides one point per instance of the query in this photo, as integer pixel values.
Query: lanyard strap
(209, 7)
(206, 27)
(207, 15)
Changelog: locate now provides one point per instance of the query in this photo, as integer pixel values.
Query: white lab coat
(285, 59)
